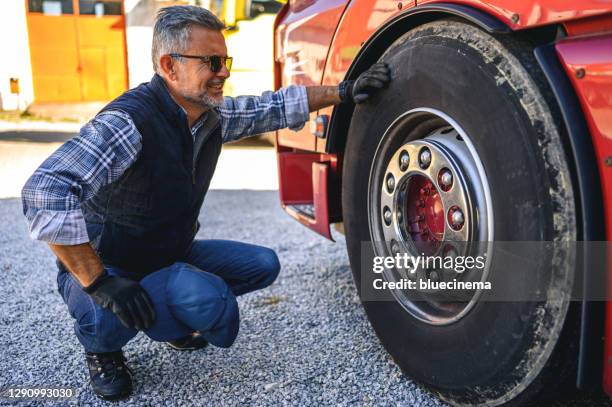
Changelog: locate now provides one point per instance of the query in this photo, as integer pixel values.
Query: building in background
(80, 51)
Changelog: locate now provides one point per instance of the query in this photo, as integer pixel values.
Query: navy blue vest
(147, 219)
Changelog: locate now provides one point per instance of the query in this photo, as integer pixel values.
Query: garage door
(77, 49)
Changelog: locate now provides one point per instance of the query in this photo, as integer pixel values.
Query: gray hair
(172, 28)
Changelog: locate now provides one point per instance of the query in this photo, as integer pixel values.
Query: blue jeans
(197, 293)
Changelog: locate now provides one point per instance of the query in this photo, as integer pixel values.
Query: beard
(204, 99)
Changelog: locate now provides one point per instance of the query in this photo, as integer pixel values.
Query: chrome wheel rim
(428, 194)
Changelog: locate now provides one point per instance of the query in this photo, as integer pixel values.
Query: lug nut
(450, 251)
(456, 218)
(387, 215)
(425, 158)
(445, 179)
(394, 247)
(404, 161)
(390, 183)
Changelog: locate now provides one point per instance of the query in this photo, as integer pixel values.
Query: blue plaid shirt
(110, 143)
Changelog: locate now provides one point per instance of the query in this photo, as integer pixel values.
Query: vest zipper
(193, 167)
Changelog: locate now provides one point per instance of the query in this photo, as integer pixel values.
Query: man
(118, 204)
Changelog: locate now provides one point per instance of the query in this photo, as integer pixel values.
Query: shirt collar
(199, 123)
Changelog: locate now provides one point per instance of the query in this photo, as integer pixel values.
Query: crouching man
(119, 203)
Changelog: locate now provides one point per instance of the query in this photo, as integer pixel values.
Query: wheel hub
(425, 201)
(425, 210)
(432, 199)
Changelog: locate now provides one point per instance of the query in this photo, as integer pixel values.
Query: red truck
(497, 126)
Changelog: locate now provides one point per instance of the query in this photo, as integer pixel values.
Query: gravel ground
(303, 341)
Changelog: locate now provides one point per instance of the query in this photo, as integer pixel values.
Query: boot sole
(114, 397)
(185, 349)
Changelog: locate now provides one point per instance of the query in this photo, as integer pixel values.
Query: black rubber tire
(499, 353)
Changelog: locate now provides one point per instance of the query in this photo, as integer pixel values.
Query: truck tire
(478, 101)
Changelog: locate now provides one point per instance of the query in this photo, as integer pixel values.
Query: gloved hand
(369, 82)
(125, 298)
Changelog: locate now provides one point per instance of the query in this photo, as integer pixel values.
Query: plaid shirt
(110, 143)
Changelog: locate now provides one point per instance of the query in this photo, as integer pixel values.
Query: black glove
(369, 82)
(125, 298)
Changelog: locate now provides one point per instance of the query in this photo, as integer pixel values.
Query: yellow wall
(77, 58)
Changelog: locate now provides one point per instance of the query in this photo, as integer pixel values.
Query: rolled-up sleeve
(99, 155)
(245, 116)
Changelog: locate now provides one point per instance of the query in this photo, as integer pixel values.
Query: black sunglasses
(214, 62)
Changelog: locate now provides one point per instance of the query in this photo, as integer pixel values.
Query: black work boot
(111, 379)
(194, 341)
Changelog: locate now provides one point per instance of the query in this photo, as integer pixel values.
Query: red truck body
(319, 42)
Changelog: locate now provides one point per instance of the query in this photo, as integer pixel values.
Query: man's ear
(167, 65)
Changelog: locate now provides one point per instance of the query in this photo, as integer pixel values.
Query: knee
(223, 330)
(269, 266)
(204, 302)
